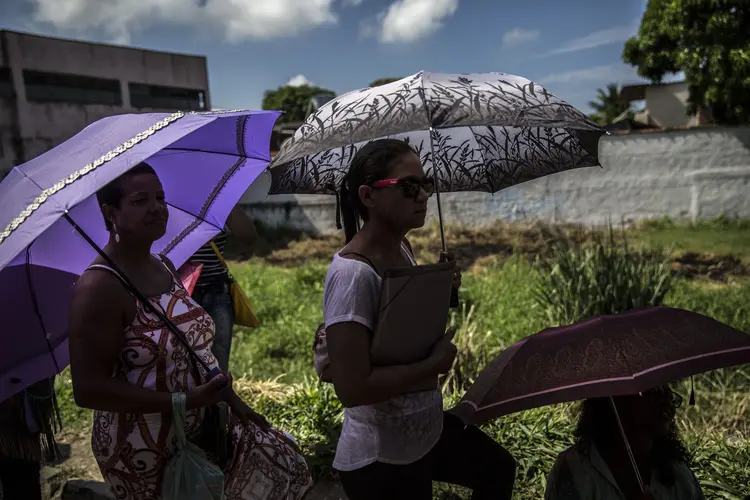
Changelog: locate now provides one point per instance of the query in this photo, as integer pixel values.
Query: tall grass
(604, 277)
(501, 303)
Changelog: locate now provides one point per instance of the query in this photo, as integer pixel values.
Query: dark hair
(373, 162)
(112, 193)
(597, 425)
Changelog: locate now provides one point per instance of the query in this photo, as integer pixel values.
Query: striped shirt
(213, 272)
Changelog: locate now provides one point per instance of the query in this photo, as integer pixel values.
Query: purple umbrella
(205, 161)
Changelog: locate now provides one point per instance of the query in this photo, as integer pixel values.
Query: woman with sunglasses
(394, 441)
(598, 466)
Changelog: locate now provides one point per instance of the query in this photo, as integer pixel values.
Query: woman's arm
(242, 226)
(358, 383)
(100, 308)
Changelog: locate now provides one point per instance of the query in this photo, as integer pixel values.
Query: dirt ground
(474, 249)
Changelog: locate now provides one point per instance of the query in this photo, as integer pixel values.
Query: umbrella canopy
(205, 161)
(488, 131)
(606, 356)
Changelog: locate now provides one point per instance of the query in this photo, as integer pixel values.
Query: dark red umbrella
(605, 356)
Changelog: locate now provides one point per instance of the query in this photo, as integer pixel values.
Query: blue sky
(572, 47)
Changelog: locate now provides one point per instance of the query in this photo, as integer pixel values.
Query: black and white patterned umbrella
(486, 131)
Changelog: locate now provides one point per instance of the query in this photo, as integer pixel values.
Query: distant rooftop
(85, 42)
(637, 92)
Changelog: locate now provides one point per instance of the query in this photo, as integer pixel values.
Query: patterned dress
(132, 450)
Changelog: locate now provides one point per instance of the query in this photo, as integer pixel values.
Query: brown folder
(413, 313)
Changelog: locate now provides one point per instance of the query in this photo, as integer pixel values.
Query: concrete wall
(692, 174)
(43, 125)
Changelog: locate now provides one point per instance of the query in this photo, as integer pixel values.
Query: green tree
(383, 81)
(293, 101)
(709, 41)
(607, 105)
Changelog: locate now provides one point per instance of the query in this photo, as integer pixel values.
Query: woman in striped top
(212, 288)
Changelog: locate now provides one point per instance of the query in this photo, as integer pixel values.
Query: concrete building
(51, 88)
(666, 105)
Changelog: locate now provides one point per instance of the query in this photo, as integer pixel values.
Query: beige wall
(667, 105)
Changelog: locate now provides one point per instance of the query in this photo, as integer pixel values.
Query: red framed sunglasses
(410, 186)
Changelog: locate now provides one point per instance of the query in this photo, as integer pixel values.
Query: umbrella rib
(196, 216)
(35, 304)
(196, 150)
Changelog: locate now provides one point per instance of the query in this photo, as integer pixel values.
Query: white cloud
(238, 20)
(519, 36)
(614, 73)
(299, 81)
(411, 20)
(616, 34)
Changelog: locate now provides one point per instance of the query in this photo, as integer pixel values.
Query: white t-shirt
(398, 431)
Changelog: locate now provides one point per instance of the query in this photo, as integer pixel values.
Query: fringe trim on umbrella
(16, 439)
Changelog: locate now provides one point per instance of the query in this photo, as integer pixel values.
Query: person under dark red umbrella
(598, 465)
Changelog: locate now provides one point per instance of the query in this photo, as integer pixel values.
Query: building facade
(52, 88)
(666, 105)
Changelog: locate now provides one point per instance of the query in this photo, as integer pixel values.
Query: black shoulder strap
(367, 260)
(158, 311)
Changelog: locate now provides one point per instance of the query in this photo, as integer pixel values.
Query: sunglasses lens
(410, 187)
(428, 184)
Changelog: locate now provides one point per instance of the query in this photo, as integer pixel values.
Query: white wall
(691, 174)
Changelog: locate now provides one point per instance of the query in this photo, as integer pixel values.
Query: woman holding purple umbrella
(126, 364)
(598, 466)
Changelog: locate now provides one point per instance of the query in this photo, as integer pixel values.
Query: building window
(158, 97)
(73, 89)
(7, 91)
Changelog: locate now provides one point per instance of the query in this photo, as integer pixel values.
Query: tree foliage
(708, 40)
(383, 81)
(607, 105)
(293, 101)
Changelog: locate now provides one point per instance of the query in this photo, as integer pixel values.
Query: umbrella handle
(627, 445)
(146, 303)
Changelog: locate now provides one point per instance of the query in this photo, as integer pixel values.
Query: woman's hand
(215, 390)
(449, 257)
(245, 413)
(444, 352)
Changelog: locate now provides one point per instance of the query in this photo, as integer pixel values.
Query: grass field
(274, 362)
